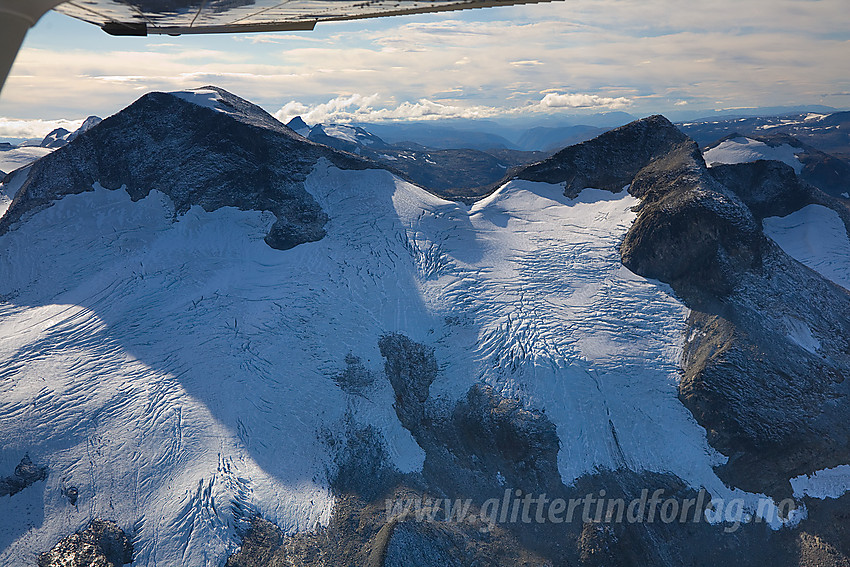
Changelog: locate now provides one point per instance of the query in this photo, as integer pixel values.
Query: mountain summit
(205, 147)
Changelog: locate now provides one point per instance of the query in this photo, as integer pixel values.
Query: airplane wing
(176, 17)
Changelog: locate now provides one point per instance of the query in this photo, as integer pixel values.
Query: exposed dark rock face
(431, 546)
(771, 188)
(241, 158)
(361, 464)
(297, 123)
(26, 474)
(355, 378)
(465, 446)
(490, 436)
(610, 160)
(72, 493)
(691, 231)
(824, 171)
(411, 368)
(102, 544)
(483, 436)
(768, 188)
(769, 399)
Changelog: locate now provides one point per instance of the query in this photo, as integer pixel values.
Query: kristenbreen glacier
(175, 348)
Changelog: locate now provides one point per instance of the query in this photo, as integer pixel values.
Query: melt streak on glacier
(179, 372)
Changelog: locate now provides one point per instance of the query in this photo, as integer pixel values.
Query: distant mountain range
(827, 132)
(459, 172)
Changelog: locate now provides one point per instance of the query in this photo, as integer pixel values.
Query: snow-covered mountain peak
(175, 375)
(241, 158)
(60, 137)
(206, 97)
(220, 101)
(346, 137)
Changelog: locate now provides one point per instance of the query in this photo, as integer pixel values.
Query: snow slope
(168, 369)
(815, 236)
(179, 372)
(743, 150)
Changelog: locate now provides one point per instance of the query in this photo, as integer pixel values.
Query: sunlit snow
(816, 236)
(177, 370)
(743, 150)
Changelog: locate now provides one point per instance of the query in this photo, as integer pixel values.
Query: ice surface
(815, 236)
(180, 372)
(743, 150)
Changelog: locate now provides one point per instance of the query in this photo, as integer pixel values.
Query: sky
(541, 63)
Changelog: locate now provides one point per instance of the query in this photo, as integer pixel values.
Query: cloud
(359, 108)
(553, 100)
(17, 128)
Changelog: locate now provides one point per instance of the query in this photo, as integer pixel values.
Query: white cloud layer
(18, 128)
(553, 100)
(359, 108)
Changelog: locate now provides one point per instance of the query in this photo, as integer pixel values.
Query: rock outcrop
(26, 474)
(770, 400)
(101, 544)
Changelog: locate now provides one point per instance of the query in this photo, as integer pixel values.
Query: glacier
(179, 372)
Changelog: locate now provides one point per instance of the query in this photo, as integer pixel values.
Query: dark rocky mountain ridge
(762, 398)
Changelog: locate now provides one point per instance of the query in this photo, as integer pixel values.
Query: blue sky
(541, 61)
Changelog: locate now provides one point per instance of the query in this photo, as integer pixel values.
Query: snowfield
(826, 483)
(205, 98)
(180, 373)
(744, 150)
(815, 236)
